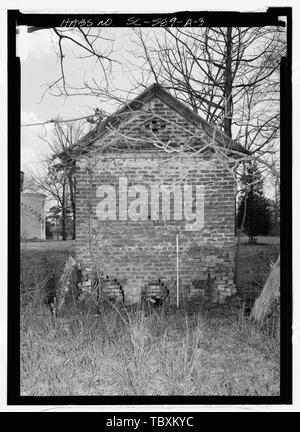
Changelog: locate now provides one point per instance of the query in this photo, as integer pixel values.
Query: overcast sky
(40, 67)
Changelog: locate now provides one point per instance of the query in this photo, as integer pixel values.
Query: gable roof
(157, 91)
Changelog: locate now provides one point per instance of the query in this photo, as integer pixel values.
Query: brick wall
(140, 252)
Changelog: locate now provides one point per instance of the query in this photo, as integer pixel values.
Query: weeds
(162, 353)
(122, 351)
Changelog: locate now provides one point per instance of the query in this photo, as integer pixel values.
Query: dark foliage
(258, 213)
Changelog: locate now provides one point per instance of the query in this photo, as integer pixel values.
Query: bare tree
(91, 45)
(53, 184)
(228, 75)
(61, 167)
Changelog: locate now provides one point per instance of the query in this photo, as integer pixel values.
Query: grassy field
(119, 351)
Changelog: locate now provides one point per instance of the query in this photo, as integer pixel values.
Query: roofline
(156, 90)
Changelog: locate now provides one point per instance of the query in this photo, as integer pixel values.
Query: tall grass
(113, 350)
(134, 352)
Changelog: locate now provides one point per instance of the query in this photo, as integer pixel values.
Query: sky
(40, 67)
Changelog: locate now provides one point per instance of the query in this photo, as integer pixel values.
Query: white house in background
(33, 226)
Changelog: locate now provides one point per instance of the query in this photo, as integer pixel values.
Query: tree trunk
(269, 294)
(228, 104)
(237, 255)
(63, 221)
(72, 199)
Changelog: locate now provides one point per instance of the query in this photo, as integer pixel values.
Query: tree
(59, 224)
(61, 160)
(90, 43)
(54, 184)
(274, 204)
(213, 69)
(257, 219)
(228, 75)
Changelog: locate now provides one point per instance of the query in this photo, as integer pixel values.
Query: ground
(119, 351)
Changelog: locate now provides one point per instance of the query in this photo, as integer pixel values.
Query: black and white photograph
(153, 223)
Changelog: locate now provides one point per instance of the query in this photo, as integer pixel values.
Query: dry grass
(255, 260)
(134, 352)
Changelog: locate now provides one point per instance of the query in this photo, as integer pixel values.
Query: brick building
(32, 223)
(157, 147)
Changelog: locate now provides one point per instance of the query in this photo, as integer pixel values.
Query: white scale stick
(177, 271)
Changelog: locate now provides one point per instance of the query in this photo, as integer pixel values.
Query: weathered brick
(138, 252)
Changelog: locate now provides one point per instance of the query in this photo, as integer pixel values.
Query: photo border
(224, 19)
